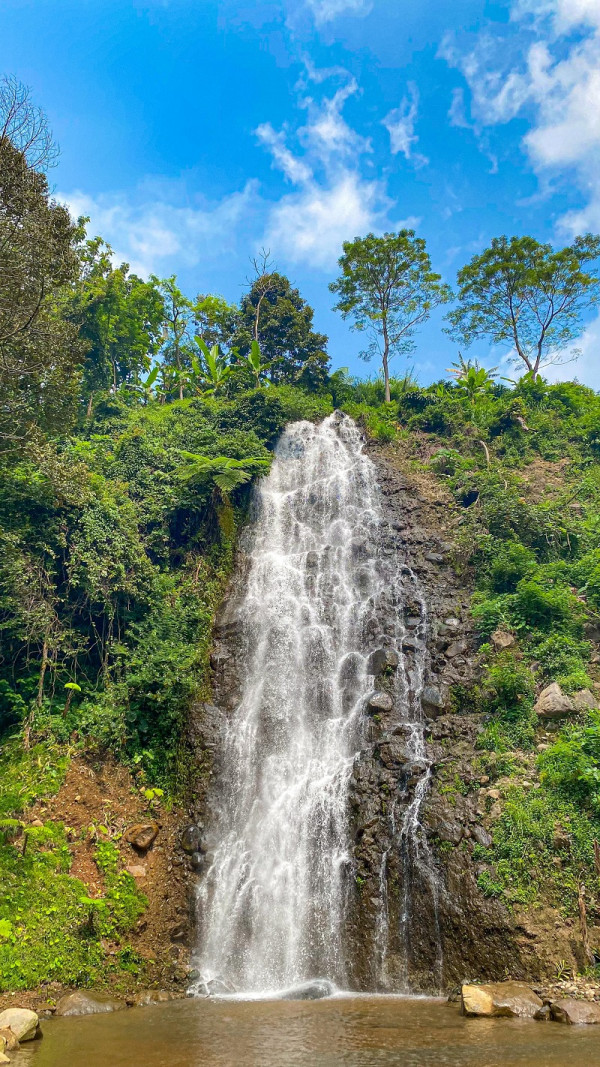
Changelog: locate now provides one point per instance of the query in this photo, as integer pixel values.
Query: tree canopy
(388, 288)
(527, 296)
(274, 313)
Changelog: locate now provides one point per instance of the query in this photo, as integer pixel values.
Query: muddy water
(338, 1032)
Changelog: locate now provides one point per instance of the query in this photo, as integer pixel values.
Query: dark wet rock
(552, 703)
(432, 700)
(191, 839)
(457, 648)
(197, 861)
(481, 836)
(314, 990)
(383, 659)
(380, 702)
(412, 644)
(88, 1002)
(575, 1012)
(515, 999)
(142, 835)
(434, 557)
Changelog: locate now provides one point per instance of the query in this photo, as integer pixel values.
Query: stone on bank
(21, 1021)
(512, 999)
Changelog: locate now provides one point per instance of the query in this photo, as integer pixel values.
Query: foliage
(527, 296)
(388, 288)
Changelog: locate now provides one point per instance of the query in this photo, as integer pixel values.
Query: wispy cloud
(327, 10)
(400, 124)
(154, 235)
(333, 201)
(556, 86)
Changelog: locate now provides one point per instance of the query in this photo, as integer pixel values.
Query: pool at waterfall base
(340, 1031)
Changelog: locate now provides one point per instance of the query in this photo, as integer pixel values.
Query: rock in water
(515, 999)
(84, 1002)
(8, 1040)
(152, 996)
(380, 702)
(23, 1023)
(575, 1012)
(314, 990)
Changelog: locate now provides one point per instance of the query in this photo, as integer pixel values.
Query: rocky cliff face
(416, 918)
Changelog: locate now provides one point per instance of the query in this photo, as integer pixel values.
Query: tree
(388, 287)
(275, 315)
(216, 370)
(178, 323)
(216, 321)
(39, 350)
(120, 316)
(524, 295)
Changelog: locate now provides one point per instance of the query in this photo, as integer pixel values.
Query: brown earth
(102, 794)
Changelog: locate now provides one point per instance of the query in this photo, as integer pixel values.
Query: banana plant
(144, 389)
(216, 370)
(255, 363)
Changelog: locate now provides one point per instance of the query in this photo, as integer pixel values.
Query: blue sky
(193, 132)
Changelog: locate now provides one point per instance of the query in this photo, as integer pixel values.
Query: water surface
(337, 1032)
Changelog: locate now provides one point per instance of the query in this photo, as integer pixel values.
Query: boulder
(482, 836)
(432, 700)
(383, 659)
(515, 999)
(584, 700)
(23, 1023)
(86, 1002)
(4, 1058)
(434, 557)
(142, 835)
(501, 639)
(314, 990)
(151, 996)
(8, 1040)
(575, 1012)
(380, 702)
(457, 648)
(191, 839)
(410, 643)
(552, 703)
(197, 861)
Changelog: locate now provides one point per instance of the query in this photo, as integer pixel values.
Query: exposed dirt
(103, 794)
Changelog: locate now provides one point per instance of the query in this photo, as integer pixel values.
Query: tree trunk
(386, 373)
(44, 664)
(589, 955)
(88, 413)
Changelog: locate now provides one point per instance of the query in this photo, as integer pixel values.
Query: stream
(337, 1032)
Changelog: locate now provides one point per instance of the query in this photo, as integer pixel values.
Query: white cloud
(326, 10)
(457, 111)
(400, 124)
(557, 86)
(585, 366)
(312, 224)
(148, 232)
(294, 169)
(333, 202)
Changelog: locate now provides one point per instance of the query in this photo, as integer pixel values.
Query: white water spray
(272, 904)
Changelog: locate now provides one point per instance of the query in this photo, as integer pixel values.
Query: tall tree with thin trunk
(527, 297)
(388, 288)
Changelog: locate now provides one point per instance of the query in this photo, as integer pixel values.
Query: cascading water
(273, 901)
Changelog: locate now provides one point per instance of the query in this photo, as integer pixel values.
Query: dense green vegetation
(133, 419)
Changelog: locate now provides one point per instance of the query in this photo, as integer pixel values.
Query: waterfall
(273, 900)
